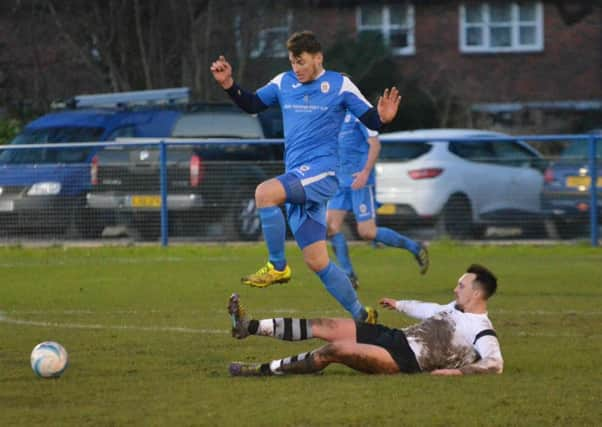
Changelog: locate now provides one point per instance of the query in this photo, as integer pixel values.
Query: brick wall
(569, 68)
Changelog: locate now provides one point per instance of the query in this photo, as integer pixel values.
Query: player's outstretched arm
(388, 303)
(388, 104)
(222, 72)
(483, 366)
(416, 309)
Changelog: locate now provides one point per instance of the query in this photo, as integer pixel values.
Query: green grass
(149, 343)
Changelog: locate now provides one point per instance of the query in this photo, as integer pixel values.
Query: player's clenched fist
(222, 72)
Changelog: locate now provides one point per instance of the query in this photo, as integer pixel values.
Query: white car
(432, 176)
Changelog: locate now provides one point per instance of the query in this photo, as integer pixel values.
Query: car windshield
(218, 125)
(402, 150)
(51, 155)
(579, 150)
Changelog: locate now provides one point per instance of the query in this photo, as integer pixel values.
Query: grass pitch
(148, 338)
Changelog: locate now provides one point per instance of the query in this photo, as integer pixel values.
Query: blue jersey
(312, 115)
(353, 149)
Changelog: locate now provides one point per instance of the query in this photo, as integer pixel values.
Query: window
(393, 151)
(392, 24)
(512, 154)
(122, 132)
(473, 151)
(271, 41)
(501, 27)
(55, 155)
(580, 150)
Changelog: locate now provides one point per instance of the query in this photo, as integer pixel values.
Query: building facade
(529, 66)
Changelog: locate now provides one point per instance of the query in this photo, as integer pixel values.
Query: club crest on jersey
(325, 87)
(303, 168)
(363, 208)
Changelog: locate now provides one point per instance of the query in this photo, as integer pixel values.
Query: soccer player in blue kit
(358, 151)
(313, 102)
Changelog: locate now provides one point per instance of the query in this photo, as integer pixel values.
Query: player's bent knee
(366, 234)
(315, 255)
(367, 230)
(269, 193)
(337, 352)
(332, 228)
(316, 263)
(328, 353)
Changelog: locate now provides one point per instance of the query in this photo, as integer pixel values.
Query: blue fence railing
(14, 174)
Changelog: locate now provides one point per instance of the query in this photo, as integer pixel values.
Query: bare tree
(141, 45)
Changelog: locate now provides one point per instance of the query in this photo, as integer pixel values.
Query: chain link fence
(457, 186)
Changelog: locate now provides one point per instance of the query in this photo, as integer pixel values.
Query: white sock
(275, 367)
(266, 328)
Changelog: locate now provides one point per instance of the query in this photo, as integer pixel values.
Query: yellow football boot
(266, 276)
(372, 315)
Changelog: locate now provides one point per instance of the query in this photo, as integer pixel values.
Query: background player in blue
(358, 150)
(313, 103)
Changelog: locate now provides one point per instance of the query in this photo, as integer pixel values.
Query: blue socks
(384, 235)
(337, 283)
(392, 238)
(274, 234)
(339, 245)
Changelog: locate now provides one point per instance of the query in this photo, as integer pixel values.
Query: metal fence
(166, 190)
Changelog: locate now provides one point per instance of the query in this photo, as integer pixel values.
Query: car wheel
(89, 224)
(534, 229)
(559, 229)
(189, 223)
(80, 222)
(148, 226)
(242, 219)
(455, 219)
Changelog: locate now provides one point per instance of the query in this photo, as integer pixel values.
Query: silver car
(435, 176)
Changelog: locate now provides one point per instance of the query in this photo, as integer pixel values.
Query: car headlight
(44, 189)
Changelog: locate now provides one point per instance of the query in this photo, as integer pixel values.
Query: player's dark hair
(485, 278)
(303, 41)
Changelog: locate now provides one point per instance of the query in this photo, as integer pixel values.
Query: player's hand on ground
(388, 303)
(360, 180)
(388, 104)
(447, 372)
(222, 72)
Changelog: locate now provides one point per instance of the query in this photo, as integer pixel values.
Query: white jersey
(448, 338)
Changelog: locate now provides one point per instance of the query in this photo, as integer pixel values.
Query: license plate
(146, 201)
(6, 206)
(581, 181)
(386, 209)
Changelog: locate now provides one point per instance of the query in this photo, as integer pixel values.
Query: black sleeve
(484, 333)
(371, 119)
(248, 101)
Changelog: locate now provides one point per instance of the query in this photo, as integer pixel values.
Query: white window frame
(514, 24)
(386, 27)
(260, 50)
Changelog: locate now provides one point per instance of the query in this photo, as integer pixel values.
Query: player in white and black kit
(453, 339)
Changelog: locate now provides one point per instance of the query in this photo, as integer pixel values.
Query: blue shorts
(360, 202)
(307, 195)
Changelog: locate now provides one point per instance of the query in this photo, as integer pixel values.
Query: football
(49, 359)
